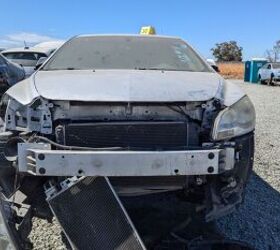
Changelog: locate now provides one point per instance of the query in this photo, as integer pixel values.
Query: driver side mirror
(40, 62)
(216, 68)
(213, 64)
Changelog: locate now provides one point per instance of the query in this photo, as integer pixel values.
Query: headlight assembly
(235, 120)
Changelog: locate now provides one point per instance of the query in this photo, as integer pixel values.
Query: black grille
(92, 217)
(145, 135)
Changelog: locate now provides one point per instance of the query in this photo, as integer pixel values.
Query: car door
(265, 71)
(262, 71)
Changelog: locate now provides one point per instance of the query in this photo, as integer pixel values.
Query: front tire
(262, 81)
(271, 81)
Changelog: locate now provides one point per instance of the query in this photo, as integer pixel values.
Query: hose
(65, 147)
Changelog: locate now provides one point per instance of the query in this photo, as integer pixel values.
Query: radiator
(159, 135)
(93, 217)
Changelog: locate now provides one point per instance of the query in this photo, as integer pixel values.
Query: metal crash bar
(39, 159)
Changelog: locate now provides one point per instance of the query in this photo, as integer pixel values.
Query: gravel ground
(258, 220)
(45, 235)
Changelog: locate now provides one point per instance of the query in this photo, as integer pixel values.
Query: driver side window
(269, 66)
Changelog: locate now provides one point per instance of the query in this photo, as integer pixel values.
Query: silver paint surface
(125, 86)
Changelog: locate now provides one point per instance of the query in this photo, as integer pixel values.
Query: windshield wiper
(53, 69)
(143, 68)
(71, 68)
(162, 69)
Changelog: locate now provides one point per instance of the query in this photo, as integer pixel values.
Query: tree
(227, 52)
(273, 55)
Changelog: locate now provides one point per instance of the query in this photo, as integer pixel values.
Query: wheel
(261, 81)
(271, 81)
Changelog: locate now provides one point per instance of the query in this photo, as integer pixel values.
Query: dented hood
(126, 85)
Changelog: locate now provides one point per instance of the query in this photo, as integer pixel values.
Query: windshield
(126, 52)
(24, 58)
(276, 65)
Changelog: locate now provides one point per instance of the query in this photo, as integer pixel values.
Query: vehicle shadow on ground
(157, 216)
(256, 222)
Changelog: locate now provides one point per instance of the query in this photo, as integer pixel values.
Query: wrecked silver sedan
(145, 111)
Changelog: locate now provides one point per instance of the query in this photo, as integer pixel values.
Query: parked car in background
(53, 45)
(29, 56)
(10, 74)
(269, 73)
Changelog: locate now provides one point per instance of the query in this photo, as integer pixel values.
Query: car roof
(29, 49)
(127, 35)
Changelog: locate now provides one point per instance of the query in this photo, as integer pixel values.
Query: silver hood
(127, 85)
(120, 86)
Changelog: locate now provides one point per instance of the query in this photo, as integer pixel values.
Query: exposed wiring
(179, 238)
(65, 147)
(41, 138)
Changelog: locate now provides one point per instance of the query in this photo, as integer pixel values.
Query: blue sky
(253, 24)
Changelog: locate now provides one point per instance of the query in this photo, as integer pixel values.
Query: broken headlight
(235, 120)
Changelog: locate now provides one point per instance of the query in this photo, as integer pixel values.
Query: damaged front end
(143, 148)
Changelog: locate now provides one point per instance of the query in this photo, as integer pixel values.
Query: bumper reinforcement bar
(39, 159)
